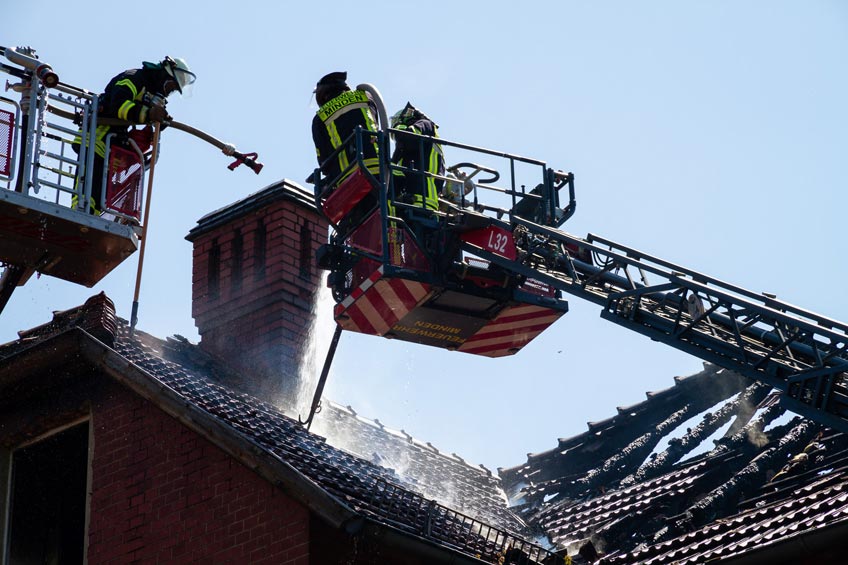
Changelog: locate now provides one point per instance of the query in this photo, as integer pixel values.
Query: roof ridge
(625, 413)
(410, 439)
(96, 316)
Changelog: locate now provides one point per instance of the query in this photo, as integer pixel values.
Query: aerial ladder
(487, 272)
(46, 180)
(40, 174)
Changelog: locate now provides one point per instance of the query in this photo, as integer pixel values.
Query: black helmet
(408, 115)
(330, 85)
(338, 79)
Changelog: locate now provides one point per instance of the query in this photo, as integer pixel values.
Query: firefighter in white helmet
(137, 96)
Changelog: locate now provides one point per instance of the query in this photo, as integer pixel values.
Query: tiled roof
(348, 477)
(637, 507)
(769, 486)
(448, 479)
(751, 530)
(606, 440)
(96, 316)
(479, 527)
(803, 505)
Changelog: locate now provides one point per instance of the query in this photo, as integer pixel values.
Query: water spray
(316, 399)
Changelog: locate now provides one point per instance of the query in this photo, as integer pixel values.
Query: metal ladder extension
(799, 352)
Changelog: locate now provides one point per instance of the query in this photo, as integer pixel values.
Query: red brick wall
(259, 324)
(163, 494)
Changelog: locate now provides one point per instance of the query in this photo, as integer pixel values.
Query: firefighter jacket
(127, 98)
(334, 122)
(423, 155)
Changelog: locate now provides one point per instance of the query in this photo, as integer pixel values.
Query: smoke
(352, 436)
(754, 433)
(757, 437)
(343, 437)
(412, 464)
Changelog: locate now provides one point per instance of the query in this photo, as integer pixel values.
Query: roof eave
(794, 548)
(406, 541)
(43, 358)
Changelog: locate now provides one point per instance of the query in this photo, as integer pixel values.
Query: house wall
(254, 284)
(163, 494)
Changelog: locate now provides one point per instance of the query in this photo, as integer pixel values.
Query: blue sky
(711, 134)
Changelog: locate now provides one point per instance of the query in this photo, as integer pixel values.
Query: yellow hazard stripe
(372, 164)
(99, 140)
(370, 122)
(336, 141)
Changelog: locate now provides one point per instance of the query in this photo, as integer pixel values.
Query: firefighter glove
(157, 113)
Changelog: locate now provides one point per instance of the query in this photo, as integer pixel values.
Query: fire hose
(25, 57)
(247, 159)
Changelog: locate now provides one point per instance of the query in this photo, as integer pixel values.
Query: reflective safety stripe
(344, 100)
(99, 140)
(336, 115)
(373, 165)
(432, 201)
(123, 114)
(339, 106)
(91, 204)
(129, 84)
(124, 110)
(336, 141)
(342, 110)
(370, 122)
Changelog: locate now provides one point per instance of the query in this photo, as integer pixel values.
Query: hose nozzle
(45, 74)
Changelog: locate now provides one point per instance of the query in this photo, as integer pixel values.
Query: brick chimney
(254, 284)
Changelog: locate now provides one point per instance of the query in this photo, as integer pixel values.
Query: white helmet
(177, 68)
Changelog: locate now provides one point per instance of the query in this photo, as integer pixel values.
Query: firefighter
(138, 96)
(340, 111)
(422, 155)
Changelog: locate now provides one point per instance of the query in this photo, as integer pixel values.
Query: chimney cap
(282, 190)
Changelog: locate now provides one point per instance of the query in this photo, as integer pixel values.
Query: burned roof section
(618, 494)
(624, 440)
